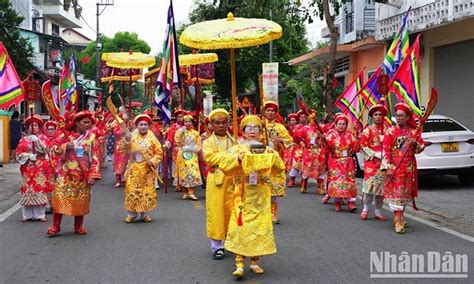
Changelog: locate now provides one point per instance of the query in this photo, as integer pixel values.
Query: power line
(88, 24)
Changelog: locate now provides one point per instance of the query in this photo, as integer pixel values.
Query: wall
(369, 58)
(448, 34)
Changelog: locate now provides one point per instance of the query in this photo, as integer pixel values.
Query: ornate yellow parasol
(128, 60)
(231, 33)
(197, 58)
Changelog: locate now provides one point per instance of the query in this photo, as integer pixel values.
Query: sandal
(53, 231)
(80, 231)
(44, 219)
(255, 268)
(129, 219)
(147, 219)
(218, 254)
(193, 197)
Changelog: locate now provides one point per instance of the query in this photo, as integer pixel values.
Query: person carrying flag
(401, 143)
(371, 140)
(170, 144)
(313, 161)
(278, 139)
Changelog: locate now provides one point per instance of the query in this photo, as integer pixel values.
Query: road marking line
(9, 212)
(441, 227)
(197, 205)
(433, 225)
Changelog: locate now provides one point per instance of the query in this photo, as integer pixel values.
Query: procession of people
(243, 178)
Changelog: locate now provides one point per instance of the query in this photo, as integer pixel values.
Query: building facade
(447, 49)
(43, 25)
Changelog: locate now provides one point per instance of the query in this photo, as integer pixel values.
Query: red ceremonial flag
(405, 83)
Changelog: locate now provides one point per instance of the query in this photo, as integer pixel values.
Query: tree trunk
(327, 88)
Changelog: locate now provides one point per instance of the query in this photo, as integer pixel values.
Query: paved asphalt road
(314, 243)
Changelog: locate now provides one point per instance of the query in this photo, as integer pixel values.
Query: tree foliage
(19, 49)
(249, 60)
(327, 10)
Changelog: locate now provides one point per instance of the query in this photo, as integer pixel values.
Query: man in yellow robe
(219, 187)
(279, 139)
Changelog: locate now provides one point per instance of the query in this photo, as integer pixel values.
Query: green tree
(19, 49)
(249, 60)
(327, 10)
(122, 41)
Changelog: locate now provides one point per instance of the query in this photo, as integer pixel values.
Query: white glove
(188, 148)
(378, 155)
(34, 138)
(33, 157)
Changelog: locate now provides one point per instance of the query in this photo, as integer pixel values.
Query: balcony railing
(427, 16)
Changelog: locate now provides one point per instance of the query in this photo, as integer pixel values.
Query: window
(54, 29)
(442, 124)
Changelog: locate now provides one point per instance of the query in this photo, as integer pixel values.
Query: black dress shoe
(218, 254)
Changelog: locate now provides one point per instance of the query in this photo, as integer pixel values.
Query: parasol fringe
(227, 45)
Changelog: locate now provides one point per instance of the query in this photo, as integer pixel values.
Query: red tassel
(240, 222)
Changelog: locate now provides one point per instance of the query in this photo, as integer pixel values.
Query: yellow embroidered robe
(145, 152)
(278, 130)
(72, 193)
(189, 143)
(219, 187)
(254, 236)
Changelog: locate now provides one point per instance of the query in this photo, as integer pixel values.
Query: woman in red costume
(32, 153)
(342, 143)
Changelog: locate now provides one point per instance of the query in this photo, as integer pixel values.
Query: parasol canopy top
(230, 33)
(197, 58)
(128, 59)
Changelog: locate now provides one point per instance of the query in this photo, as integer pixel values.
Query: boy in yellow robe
(219, 187)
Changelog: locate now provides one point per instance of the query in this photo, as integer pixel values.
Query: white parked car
(449, 149)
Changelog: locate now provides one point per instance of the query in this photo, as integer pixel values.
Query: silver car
(449, 149)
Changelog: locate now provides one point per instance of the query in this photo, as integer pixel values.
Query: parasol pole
(130, 94)
(234, 93)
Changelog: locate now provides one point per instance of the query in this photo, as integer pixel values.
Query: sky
(147, 18)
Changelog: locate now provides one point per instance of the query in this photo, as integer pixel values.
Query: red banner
(31, 90)
(48, 99)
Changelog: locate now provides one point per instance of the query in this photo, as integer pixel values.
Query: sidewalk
(10, 183)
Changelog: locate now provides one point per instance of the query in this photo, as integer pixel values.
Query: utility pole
(270, 53)
(98, 46)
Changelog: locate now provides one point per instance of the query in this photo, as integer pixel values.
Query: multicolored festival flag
(169, 71)
(349, 102)
(369, 94)
(398, 49)
(405, 83)
(11, 88)
(68, 85)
